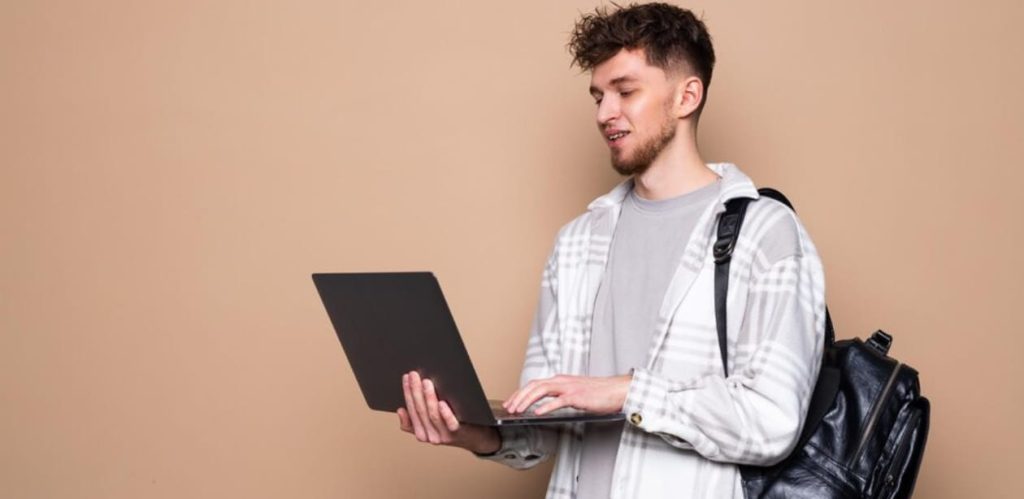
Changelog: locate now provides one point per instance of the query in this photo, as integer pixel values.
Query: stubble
(648, 151)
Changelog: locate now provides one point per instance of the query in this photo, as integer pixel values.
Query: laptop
(396, 322)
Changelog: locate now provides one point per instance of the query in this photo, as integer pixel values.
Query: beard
(647, 151)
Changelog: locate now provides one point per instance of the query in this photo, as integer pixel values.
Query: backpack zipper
(876, 412)
(902, 447)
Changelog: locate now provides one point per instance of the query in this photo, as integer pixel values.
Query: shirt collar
(735, 184)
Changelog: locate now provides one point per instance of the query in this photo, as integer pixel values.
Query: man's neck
(677, 171)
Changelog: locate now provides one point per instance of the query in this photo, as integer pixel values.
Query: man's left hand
(598, 395)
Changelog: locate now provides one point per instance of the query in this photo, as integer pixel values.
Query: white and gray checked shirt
(688, 423)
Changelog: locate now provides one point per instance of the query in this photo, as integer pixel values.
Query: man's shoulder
(774, 232)
(575, 233)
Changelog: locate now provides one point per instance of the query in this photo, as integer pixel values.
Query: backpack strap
(728, 232)
(827, 384)
(729, 225)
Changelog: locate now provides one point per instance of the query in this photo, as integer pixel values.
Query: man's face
(634, 101)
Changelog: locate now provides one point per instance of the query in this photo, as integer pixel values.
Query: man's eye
(625, 93)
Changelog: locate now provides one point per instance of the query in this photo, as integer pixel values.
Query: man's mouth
(616, 138)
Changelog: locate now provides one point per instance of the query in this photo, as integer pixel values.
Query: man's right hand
(432, 420)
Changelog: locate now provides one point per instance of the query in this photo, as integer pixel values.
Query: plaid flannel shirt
(687, 424)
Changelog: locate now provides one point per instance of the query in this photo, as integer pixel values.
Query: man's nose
(607, 110)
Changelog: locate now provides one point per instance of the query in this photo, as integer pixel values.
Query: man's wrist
(624, 382)
(488, 444)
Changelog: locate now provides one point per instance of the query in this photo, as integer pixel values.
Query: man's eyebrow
(615, 81)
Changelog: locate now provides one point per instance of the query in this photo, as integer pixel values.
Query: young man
(626, 319)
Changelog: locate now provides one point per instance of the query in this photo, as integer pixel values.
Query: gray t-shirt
(647, 246)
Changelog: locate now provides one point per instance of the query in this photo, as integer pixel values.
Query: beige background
(172, 172)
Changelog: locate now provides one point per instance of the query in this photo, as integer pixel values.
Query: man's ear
(689, 91)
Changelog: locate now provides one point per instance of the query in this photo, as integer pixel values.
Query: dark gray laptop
(393, 323)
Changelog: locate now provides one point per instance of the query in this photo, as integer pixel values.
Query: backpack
(867, 423)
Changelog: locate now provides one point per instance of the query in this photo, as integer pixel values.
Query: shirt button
(636, 418)
(510, 456)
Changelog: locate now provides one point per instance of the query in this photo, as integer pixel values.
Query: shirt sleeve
(523, 447)
(755, 415)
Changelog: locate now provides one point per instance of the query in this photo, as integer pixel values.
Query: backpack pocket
(895, 473)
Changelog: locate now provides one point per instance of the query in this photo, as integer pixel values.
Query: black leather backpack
(866, 427)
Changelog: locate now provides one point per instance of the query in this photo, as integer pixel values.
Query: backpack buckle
(880, 342)
(727, 229)
(722, 250)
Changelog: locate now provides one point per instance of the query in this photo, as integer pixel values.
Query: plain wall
(172, 172)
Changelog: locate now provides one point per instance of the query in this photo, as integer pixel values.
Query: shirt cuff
(647, 408)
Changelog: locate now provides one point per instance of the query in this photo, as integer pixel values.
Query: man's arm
(755, 415)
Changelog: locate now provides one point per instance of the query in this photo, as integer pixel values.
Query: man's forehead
(626, 66)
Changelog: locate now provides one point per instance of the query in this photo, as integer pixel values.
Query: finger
(521, 394)
(536, 393)
(416, 383)
(410, 410)
(557, 403)
(410, 405)
(430, 397)
(449, 417)
(508, 401)
(403, 420)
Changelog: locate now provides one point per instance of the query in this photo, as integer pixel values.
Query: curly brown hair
(670, 36)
